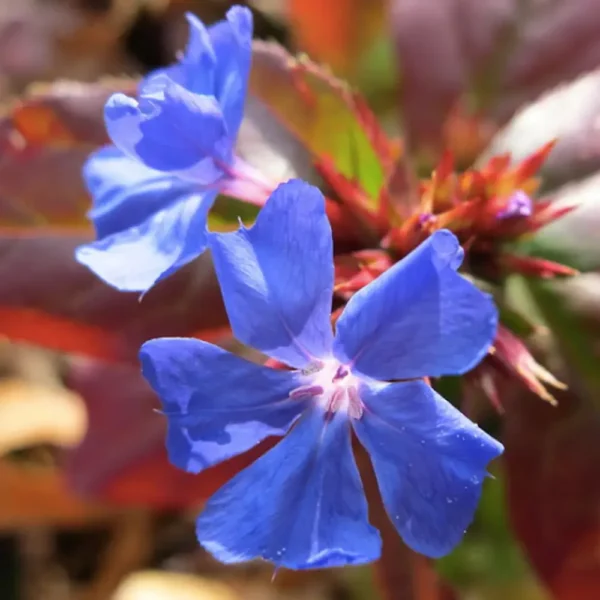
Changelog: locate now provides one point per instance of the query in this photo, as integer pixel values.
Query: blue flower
(301, 504)
(173, 150)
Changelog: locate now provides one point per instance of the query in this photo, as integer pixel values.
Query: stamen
(306, 391)
(340, 373)
(336, 400)
(332, 386)
(355, 405)
(314, 367)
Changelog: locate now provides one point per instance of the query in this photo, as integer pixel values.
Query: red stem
(400, 573)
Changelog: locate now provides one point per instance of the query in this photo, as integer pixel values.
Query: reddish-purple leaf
(507, 51)
(42, 187)
(552, 465)
(324, 114)
(569, 114)
(67, 112)
(47, 298)
(439, 45)
(44, 140)
(123, 458)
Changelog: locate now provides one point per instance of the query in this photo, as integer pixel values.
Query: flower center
(333, 386)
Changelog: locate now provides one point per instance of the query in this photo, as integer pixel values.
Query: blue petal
(125, 192)
(232, 41)
(418, 319)
(218, 405)
(277, 276)
(300, 506)
(136, 258)
(122, 118)
(429, 459)
(171, 129)
(196, 70)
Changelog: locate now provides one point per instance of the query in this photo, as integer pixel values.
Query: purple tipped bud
(426, 219)
(518, 205)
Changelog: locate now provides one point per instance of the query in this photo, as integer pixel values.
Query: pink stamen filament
(336, 400)
(355, 405)
(240, 171)
(306, 391)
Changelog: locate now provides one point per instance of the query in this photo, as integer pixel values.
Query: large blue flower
(301, 504)
(173, 149)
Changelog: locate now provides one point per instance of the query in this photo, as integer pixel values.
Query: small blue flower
(173, 150)
(301, 504)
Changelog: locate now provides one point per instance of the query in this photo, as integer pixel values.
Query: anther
(312, 368)
(306, 391)
(341, 372)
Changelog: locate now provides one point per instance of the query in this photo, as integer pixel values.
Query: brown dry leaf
(129, 550)
(157, 585)
(33, 414)
(38, 496)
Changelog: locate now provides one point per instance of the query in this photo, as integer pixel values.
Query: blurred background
(90, 508)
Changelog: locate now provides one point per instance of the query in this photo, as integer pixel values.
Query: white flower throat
(333, 386)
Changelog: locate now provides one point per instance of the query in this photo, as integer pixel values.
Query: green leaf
(323, 113)
(227, 212)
